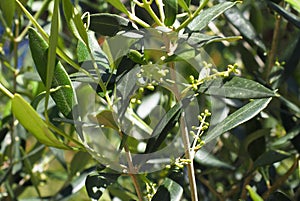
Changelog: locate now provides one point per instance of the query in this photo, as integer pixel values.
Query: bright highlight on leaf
(30, 119)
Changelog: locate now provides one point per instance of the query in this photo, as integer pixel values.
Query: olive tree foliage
(149, 100)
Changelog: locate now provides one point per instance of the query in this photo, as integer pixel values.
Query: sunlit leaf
(236, 87)
(208, 15)
(30, 119)
(184, 4)
(295, 4)
(240, 116)
(51, 58)
(254, 196)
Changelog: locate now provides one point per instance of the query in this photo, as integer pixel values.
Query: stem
(132, 170)
(247, 181)
(274, 46)
(136, 186)
(6, 91)
(280, 181)
(188, 20)
(138, 20)
(188, 156)
(211, 188)
(160, 6)
(36, 16)
(184, 132)
(147, 7)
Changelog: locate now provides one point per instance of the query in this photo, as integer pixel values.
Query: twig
(188, 20)
(247, 181)
(274, 46)
(207, 184)
(280, 181)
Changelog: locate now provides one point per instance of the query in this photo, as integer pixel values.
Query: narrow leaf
(31, 121)
(238, 117)
(284, 13)
(74, 21)
(51, 59)
(165, 125)
(207, 159)
(171, 9)
(109, 24)
(236, 87)
(184, 5)
(63, 96)
(106, 119)
(208, 15)
(270, 157)
(295, 4)
(244, 26)
(7, 8)
(119, 5)
(168, 190)
(254, 196)
(281, 142)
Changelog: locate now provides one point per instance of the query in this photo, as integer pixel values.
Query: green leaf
(295, 4)
(240, 116)
(169, 190)
(166, 123)
(72, 187)
(200, 39)
(208, 15)
(185, 5)
(106, 119)
(63, 96)
(161, 130)
(7, 9)
(270, 157)
(210, 160)
(286, 14)
(171, 9)
(51, 59)
(282, 141)
(79, 161)
(96, 183)
(74, 21)
(96, 51)
(109, 24)
(119, 5)
(236, 87)
(96, 63)
(244, 26)
(254, 196)
(121, 193)
(254, 136)
(31, 121)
